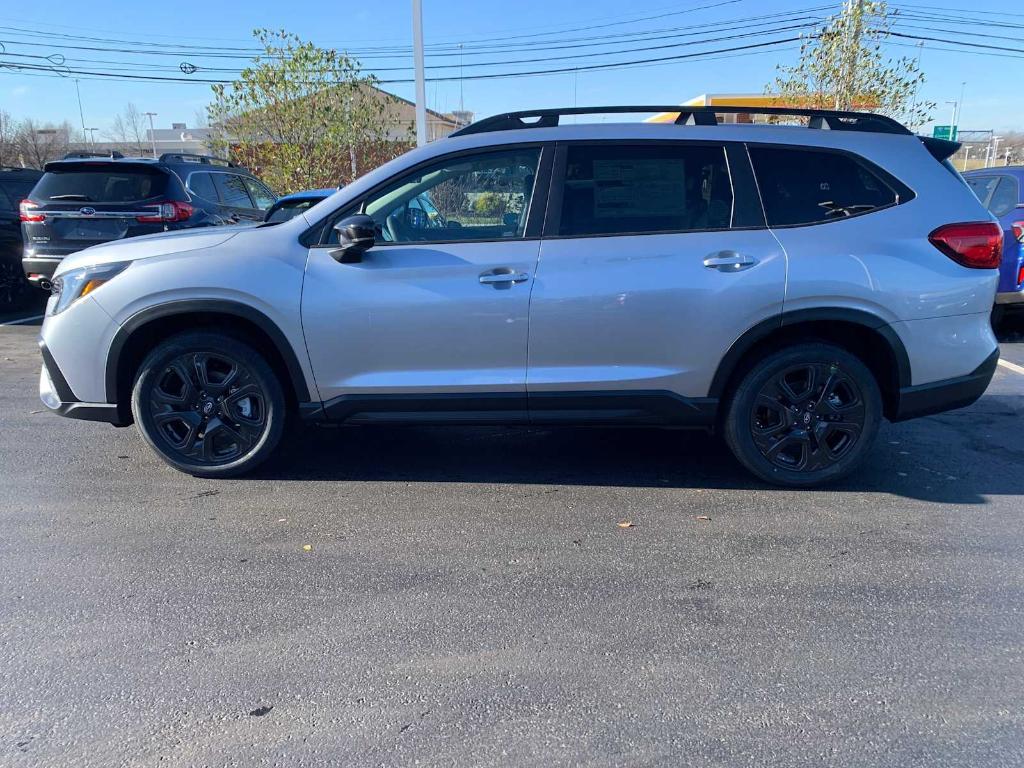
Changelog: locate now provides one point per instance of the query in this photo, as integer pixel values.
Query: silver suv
(785, 285)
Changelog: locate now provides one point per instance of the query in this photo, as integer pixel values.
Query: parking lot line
(1012, 366)
(24, 320)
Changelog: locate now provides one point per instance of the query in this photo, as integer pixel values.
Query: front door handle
(503, 276)
(729, 261)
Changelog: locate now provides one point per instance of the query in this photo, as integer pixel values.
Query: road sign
(944, 132)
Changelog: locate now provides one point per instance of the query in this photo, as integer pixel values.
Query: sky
(379, 34)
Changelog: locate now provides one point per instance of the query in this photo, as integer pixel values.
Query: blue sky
(992, 83)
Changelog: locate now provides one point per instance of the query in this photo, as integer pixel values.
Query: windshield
(288, 209)
(110, 185)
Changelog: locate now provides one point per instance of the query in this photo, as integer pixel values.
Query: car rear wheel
(208, 404)
(804, 416)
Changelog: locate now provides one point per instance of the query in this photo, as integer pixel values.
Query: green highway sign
(945, 132)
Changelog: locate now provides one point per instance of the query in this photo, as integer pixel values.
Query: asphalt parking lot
(467, 597)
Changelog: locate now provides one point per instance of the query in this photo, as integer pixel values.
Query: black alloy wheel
(14, 288)
(803, 416)
(208, 404)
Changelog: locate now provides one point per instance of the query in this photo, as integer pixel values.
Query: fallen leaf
(703, 518)
(307, 547)
(625, 523)
(261, 711)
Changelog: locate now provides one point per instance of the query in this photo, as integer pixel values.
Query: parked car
(15, 184)
(84, 201)
(288, 206)
(787, 286)
(1001, 190)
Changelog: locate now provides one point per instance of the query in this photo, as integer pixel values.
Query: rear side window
(201, 184)
(983, 187)
(618, 189)
(232, 190)
(114, 185)
(800, 186)
(1004, 198)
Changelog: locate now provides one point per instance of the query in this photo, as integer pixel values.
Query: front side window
(805, 186)
(468, 197)
(1004, 198)
(642, 189)
(232, 190)
(260, 195)
(983, 187)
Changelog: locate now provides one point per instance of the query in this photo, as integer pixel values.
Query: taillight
(1018, 230)
(27, 211)
(165, 212)
(1020, 276)
(978, 245)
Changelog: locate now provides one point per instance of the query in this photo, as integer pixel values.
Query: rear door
(234, 195)
(1004, 203)
(655, 259)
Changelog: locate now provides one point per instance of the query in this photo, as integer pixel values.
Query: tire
(15, 290)
(208, 404)
(804, 416)
(998, 315)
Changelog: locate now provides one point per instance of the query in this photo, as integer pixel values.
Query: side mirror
(356, 235)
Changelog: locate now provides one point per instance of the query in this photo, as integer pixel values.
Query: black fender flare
(192, 306)
(750, 338)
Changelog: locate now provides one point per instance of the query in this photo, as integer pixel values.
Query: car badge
(87, 211)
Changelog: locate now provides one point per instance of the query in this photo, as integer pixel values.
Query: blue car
(1001, 190)
(289, 205)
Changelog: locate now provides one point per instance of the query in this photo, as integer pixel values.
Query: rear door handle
(503, 276)
(729, 261)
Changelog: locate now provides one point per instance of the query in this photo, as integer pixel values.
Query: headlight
(81, 282)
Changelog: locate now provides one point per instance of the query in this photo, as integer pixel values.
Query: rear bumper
(1010, 297)
(946, 395)
(58, 397)
(39, 269)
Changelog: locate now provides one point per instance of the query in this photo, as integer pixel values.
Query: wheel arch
(148, 327)
(858, 331)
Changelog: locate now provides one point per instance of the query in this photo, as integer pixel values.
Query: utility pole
(960, 108)
(856, 8)
(421, 88)
(152, 131)
(81, 114)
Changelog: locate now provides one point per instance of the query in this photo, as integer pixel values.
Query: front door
(434, 319)
(655, 260)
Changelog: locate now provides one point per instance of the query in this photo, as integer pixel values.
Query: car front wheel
(208, 404)
(804, 416)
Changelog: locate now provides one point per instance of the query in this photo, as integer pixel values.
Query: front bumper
(58, 397)
(946, 395)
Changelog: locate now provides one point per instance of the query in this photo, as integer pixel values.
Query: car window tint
(232, 190)
(983, 186)
(289, 209)
(1004, 198)
(262, 196)
(619, 189)
(13, 192)
(201, 184)
(800, 186)
(110, 185)
(467, 197)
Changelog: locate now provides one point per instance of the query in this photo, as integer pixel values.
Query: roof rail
(188, 157)
(86, 155)
(818, 118)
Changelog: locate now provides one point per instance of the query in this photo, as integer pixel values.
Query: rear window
(800, 186)
(100, 186)
(642, 189)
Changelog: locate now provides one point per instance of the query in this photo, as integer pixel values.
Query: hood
(160, 244)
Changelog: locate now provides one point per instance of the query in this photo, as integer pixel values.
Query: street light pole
(152, 131)
(81, 113)
(92, 134)
(421, 86)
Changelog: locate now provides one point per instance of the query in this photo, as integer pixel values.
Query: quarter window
(467, 197)
(800, 186)
(983, 187)
(232, 190)
(1004, 198)
(620, 189)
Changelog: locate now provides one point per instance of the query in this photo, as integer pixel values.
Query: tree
(39, 144)
(302, 116)
(8, 145)
(129, 129)
(841, 66)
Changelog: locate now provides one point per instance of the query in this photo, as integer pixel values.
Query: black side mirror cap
(356, 235)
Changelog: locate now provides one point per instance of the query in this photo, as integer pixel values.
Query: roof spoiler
(940, 149)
